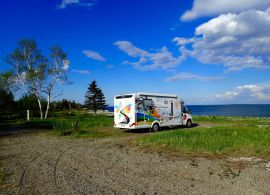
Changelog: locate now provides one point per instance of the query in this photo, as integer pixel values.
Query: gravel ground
(36, 163)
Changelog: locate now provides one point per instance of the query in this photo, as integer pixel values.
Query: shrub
(65, 127)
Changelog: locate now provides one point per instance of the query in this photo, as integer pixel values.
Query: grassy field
(87, 126)
(215, 135)
(84, 125)
(234, 136)
(235, 120)
(73, 124)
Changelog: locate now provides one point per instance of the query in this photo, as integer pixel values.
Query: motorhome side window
(123, 96)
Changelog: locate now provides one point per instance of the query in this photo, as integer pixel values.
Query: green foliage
(80, 124)
(6, 81)
(64, 104)
(6, 101)
(29, 102)
(244, 140)
(61, 127)
(65, 126)
(94, 98)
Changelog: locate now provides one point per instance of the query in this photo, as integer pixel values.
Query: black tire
(155, 127)
(189, 124)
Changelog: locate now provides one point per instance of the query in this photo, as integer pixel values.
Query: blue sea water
(255, 110)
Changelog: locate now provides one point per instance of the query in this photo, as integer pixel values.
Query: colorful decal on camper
(145, 117)
(146, 111)
(127, 119)
(127, 108)
(146, 106)
(123, 112)
(117, 107)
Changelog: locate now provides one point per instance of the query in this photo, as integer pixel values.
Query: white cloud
(82, 3)
(93, 55)
(238, 41)
(66, 64)
(130, 49)
(162, 59)
(85, 72)
(203, 8)
(246, 93)
(192, 76)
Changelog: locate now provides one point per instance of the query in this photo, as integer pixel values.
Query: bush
(65, 127)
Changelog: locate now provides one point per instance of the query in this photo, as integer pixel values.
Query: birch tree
(37, 74)
(28, 67)
(56, 73)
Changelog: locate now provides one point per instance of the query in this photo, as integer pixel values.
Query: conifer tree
(94, 98)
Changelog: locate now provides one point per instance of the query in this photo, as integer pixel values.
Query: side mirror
(189, 111)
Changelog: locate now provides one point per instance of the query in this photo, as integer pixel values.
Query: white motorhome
(150, 110)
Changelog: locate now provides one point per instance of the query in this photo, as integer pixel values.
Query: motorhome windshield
(123, 96)
(184, 109)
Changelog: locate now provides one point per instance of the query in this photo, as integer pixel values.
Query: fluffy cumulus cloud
(83, 3)
(162, 59)
(202, 8)
(93, 55)
(84, 72)
(238, 41)
(191, 76)
(246, 93)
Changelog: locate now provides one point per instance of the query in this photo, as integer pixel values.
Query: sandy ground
(36, 163)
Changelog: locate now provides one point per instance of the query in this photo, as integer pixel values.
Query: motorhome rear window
(123, 96)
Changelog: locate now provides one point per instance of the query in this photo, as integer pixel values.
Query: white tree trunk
(40, 108)
(48, 105)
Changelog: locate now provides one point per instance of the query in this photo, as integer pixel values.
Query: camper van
(150, 110)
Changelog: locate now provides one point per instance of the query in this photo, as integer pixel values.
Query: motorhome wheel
(155, 127)
(189, 124)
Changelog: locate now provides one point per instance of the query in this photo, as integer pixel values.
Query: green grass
(84, 125)
(73, 124)
(234, 136)
(214, 141)
(232, 120)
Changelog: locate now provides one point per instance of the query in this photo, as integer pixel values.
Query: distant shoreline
(241, 110)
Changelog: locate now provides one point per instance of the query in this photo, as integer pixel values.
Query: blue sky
(205, 51)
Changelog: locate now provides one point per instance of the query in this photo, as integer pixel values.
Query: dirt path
(40, 164)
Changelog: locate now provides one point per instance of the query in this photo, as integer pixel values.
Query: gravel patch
(40, 164)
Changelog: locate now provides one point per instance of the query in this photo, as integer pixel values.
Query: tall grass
(73, 123)
(84, 125)
(233, 140)
(65, 127)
